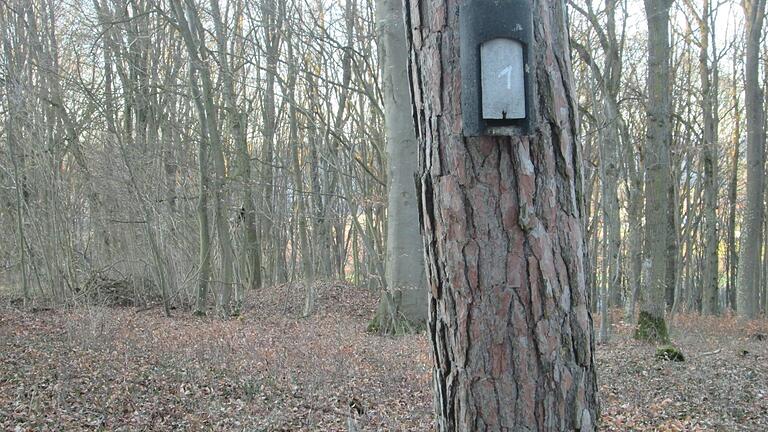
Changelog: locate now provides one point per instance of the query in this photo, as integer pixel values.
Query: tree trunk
(307, 262)
(635, 222)
(751, 238)
(271, 11)
(204, 231)
(610, 164)
(764, 291)
(405, 299)
(237, 120)
(732, 255)
(509, 322)
(651, 324)
(710, 297)
(673, 238)
(13, 154)
(201, 85)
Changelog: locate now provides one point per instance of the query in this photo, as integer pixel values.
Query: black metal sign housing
(496, 67)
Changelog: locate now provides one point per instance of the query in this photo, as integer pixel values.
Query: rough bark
(509, 322)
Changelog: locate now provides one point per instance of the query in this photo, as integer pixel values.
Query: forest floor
(97, 368)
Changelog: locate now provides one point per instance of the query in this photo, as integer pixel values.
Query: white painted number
(502, 74)
(508, 72)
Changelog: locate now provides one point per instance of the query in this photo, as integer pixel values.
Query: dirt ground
(98, 368)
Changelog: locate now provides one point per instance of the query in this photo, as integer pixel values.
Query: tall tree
(651, 324)
(610, 131)
(731, 255)
(238, 130)
(12, 90)
(708, 79)
(405, 299)
(509, 316)
(751, 238)
(191, 28)
(709, 89)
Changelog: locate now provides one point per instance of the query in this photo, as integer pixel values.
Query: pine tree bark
(509, 322)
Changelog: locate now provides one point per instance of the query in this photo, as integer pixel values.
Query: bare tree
(651, 324)
(404, 304)
(751, 237)
(709, 96)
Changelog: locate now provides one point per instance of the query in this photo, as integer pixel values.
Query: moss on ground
(374, 326)
(651, 328)
(397, 327)
(670, 353)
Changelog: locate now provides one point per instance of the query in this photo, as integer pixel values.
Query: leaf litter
(123, 369)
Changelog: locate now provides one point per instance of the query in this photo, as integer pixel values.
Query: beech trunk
(658, 219)
(403, 304)
(751, 237)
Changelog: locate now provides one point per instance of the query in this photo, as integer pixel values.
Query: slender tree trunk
(509, 315)
(612, 258)
(13, 153)
(764, 292)
(605, 281)
(673, 241)
(689, 291)
(238, 130)
(634, 220)
(202, 91)
(732, 255)
(272, 38)
(203, 230)
(302, 215)
(710, 295)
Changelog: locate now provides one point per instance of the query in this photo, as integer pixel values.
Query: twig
(709, 353)
(127, 221)
(146, 308)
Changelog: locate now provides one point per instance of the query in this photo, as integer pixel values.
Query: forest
(279, 215)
